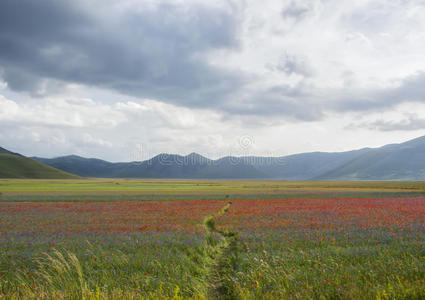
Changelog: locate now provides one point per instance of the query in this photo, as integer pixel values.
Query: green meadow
(110, 189)
(149, 239)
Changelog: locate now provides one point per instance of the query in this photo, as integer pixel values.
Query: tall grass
(60, 275)
(263, 273)
(298, 262)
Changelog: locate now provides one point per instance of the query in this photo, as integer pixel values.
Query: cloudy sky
(126, 80)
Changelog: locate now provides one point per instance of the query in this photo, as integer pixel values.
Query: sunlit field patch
(339, 245)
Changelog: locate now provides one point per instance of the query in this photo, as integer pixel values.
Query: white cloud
(293, 76)
(90, 140)
(158, 114)
(59, 112)
(375, 40)
(406, 117)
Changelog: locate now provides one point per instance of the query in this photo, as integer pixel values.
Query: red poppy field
(325, 244)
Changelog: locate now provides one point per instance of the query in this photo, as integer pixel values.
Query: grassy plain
(110, 238)
(131, 189)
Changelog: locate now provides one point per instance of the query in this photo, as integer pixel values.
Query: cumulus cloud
(76, 113)
(196, 74)
(402, 118)
(411, 122)
(83, 126)
(410, 89)
(404, 122)
(225, 56)
(298, 10)
(90, 140)
(149, 49)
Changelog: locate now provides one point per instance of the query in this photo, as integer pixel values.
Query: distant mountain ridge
(405, 161)
(160, 166)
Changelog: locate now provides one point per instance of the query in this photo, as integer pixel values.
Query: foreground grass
(297, 244)
(312, 266)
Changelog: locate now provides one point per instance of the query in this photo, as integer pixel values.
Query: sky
(126, 80)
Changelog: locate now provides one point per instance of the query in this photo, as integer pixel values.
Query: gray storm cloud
(105, 75)
(156, 51)
(161, 51)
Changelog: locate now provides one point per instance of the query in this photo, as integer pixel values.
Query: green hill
(405, 161)
(17, 166)
(5, 151)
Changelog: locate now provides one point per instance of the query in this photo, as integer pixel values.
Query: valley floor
(115, 239)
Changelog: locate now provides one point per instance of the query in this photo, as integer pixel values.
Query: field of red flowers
(337, 214)
(363, 247)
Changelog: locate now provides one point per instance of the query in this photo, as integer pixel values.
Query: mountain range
(405, 161)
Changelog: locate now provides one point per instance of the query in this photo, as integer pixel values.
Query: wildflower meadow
(169, 240)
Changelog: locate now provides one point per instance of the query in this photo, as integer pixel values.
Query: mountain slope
(86, 167)
(293, 167)
(5, 151)
(160, 166)
(18, 166)
(404, 161)
(302, 166)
